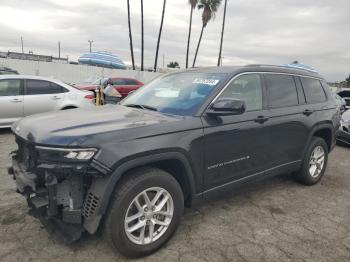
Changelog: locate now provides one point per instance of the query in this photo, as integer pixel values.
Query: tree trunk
(199, 42)
(222, 34)
(160, 34)
(130, 38)
(189, 37)
(142, 36)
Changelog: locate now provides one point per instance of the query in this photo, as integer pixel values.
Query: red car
(123, 85)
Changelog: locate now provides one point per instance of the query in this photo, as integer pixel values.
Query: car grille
(26, 154)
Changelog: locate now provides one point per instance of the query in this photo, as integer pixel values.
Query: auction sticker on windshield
(211, 82)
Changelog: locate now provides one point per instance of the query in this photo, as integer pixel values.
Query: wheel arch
(325, 131)
(175, 163)
(65, 107)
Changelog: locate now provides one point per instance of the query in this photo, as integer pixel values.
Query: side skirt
(225, 188)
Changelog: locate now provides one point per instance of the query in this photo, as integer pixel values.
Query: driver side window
(246, 88)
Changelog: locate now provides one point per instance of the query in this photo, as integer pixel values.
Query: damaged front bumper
(64, 197)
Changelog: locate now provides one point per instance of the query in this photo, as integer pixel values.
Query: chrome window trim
(254, 73)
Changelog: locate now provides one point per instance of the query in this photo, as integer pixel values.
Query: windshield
(178, 94)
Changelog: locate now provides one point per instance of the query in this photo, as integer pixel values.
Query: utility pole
(142, 36)
(163, 60)
(90, 43)
(59, 50)
(22, 45)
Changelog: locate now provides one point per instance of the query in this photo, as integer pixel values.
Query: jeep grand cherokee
(184, 137)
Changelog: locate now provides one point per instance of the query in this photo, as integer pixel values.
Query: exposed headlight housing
(54, 154)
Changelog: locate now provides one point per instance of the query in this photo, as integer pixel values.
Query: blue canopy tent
(103, 59)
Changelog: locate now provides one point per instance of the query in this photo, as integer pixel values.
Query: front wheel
(145, 212)
(315, 162)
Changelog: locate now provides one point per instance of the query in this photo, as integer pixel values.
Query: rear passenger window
(281, 90)
(119, 82)
(11, 87)
(39, 87)
(313, 90)
(246, 88)
(130, 82)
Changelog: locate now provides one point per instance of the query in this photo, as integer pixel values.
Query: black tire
(134, 183)
(304, 176)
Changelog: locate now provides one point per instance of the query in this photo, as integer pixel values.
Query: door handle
(307, 112)
(55, 98)
(15, 100)
(261, 119)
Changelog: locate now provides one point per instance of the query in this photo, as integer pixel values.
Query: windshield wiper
(142, 107)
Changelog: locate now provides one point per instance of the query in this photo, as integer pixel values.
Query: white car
(22, 95)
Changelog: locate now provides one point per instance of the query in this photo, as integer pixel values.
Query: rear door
(41, 96)
(11, 101)
(288, 127)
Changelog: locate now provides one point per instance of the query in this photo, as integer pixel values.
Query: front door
(237, 146)
(11, 101)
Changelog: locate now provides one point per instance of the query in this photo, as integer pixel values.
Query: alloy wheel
(149, 216)
(317, 160)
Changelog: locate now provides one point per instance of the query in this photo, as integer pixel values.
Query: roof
(255, 68)
(28, 77)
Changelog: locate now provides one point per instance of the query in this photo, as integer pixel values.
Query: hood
(81, 126)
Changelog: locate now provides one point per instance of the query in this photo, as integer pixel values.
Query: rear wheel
(144, 213)
(315, 162)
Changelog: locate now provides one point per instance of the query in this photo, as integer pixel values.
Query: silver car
(22, 95)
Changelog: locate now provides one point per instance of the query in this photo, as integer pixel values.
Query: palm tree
(209, 9)
(160, 33)
(222, 33)
(142, 39)
(193, 4)
(130, 38)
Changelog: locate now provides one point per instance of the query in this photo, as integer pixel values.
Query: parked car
(8, 71)
(343, 135)
(345, 94)
(342, 103)
(22, 95)
(180, 140)
(123, 85)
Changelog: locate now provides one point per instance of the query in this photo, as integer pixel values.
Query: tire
(305, 175)
(123, 202)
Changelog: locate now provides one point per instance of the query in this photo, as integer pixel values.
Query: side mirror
(227, 106)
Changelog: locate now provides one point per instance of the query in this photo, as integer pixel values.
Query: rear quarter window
(313, 90)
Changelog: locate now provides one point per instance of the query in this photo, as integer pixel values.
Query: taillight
(90, 97)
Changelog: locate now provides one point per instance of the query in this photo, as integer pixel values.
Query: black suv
(184, 137)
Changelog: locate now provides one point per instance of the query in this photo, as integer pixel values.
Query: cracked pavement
(271, 220)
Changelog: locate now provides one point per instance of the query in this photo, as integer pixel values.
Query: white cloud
(270, 31)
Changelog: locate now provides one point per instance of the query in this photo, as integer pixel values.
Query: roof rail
(293, 66)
